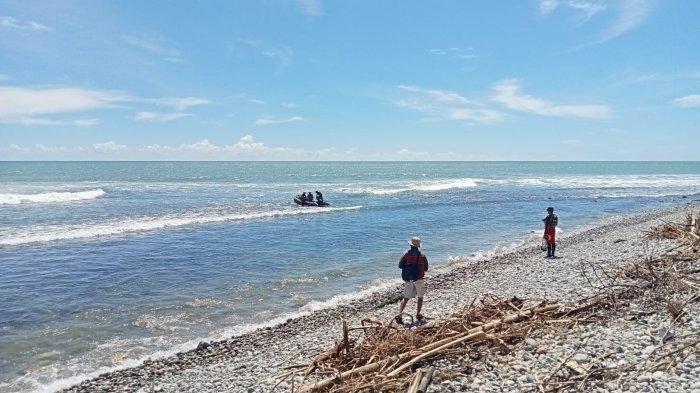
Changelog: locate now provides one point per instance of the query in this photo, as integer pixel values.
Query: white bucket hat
(415, 241)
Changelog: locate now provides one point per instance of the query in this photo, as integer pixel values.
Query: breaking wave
(654, 185)
(51, 197)
(142, 224)
(426, 186)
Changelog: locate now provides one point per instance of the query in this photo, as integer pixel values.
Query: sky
(350, 80)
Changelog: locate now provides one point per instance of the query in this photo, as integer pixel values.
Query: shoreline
(257, 352)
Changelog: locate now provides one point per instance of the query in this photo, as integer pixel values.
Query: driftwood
(418, 376)
(378, 356)
(435, 345)
(327, 382)
(427, 378)
(477, 333)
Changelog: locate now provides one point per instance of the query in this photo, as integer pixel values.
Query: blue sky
(350, 80)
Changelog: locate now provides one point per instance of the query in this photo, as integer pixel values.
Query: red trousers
(550, 234)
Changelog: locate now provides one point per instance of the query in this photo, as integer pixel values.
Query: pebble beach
(250, 362)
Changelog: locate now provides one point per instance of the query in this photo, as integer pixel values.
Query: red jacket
(413, 265)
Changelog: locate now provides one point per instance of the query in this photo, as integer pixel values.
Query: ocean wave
(666, 184)
(426, 186)
(309, 308)
(51, 197)
(617, 181)
(143, 224)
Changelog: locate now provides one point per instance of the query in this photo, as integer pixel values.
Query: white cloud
(30, 107)
(9, 22)
(4, 77)
(257, 101)
(14, 147)
(86, 122)
(19, 102)
(108, 147)
(281, 55)
(460, 53)
(289, 105)
(508, 92)
(628, 13)
(160, 117)
(51, 149)
(181, 103)
(587, 7)
(548, 6)
(156, 45)
(689, 101)
(26, 106)
(245, 148)
(311, 7)
(202, 146)
(631, 13)
(446, 105)
(264, 121)
(410, 154)
(43, 121)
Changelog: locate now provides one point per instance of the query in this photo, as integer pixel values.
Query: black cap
(550, 209)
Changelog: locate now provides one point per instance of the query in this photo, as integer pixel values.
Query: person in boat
(303, 197)
(319, 197)
(550, 231)
(310, 196)
(413, 266)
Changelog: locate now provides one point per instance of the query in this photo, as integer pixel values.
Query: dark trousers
(550, 249)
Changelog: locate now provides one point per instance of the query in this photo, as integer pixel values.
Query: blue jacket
(413, 265)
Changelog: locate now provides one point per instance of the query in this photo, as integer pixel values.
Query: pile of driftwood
(387, 357)
(376, 356)
(686, 233)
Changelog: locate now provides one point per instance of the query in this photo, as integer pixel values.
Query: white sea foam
(425, 186)
(141, 224)
(378, 285)
(444, 185)
(657, 185)
(691, 182)
(51, 197)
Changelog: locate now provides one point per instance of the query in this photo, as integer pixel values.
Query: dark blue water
(105, 263)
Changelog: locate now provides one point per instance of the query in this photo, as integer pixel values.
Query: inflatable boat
(298, 201)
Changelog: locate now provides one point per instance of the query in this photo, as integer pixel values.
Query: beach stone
(530, 342)
(203, 345)
(645, 378)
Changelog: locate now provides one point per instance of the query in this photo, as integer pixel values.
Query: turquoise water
(105, 263)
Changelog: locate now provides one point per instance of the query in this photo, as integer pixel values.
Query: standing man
(413, 266)
(550, 230)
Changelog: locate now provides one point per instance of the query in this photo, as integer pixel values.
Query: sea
(104, 264)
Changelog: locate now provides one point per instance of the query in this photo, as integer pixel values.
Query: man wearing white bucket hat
(413, 266)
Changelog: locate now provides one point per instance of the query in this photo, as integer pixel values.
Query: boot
(554, 247)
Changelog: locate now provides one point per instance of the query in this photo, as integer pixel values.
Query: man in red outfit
(550, 230)
(413, 266)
